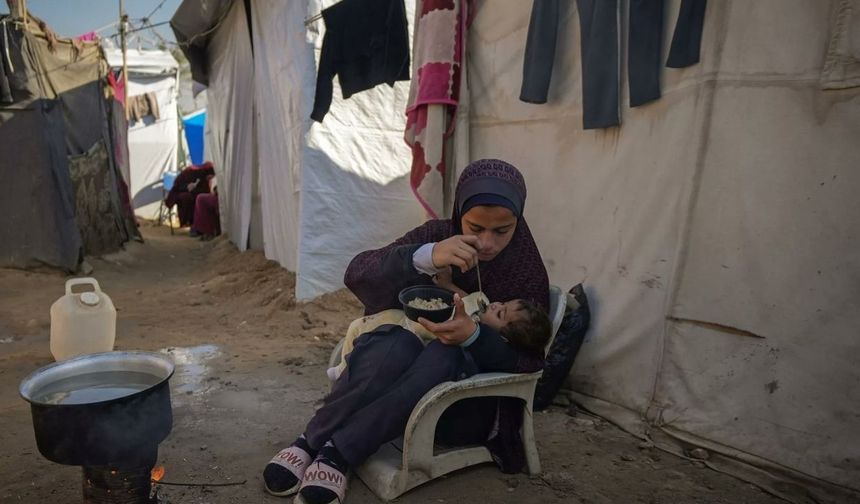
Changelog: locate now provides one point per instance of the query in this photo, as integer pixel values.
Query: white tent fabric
(355, 184)
(284, 61)
(328, 191)
(143, 61)
(229, 142)
(716, 232)
(152, 144)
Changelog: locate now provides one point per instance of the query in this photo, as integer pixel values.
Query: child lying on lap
(522, 323)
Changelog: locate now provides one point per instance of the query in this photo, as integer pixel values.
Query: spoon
(481, 305)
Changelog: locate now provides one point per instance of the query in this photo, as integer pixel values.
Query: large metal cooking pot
(109, 424)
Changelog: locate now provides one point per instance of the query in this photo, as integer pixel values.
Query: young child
(522, 323)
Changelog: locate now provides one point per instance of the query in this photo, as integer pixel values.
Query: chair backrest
(167, 179)
(557, 304)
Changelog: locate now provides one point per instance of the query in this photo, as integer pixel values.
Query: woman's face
(493, 225)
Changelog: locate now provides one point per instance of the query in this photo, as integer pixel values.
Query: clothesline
(313, 19)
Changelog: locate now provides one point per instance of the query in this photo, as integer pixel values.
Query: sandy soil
(250, 368)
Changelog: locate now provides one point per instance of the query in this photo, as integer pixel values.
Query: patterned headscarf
(490, 179)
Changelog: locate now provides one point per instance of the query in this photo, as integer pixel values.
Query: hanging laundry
(598, 26)
(5, 65)
(842, 61)
(687, 39)
(366, 44)
(599, 22)
(644, 51)
(540, 51)
(117, 85)
(90, 36)
(440, 29)
(140, 106)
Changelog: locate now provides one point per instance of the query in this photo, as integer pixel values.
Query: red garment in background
(433, 96)
(184, 199)
(207, 221)
(117, 83)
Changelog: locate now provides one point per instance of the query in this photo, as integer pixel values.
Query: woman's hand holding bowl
(453, 331)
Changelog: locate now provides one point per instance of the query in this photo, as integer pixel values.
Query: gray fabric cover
(38, 224)
(194, 23)
(57, 111)
(101, 231)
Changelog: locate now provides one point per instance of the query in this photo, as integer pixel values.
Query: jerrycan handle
(82, 281)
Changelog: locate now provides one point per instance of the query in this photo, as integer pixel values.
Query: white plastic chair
(407, 462)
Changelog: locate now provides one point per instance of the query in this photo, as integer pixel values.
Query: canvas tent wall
(63, 195)
(153, 143)
(325, 191)
(716, 231)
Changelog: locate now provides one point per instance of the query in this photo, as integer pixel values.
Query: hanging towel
(433, 96)
(366, 43)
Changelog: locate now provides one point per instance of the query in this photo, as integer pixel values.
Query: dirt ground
(250, 368)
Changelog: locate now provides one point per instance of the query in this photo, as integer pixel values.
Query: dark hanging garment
(687, 39)
(540, 51)
(366, 44)
(5, 65)
(644, 50)
(598, 21)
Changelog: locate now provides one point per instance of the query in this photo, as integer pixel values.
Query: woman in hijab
(389, 370)
(188, 184)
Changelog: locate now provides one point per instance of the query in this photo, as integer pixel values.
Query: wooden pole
(123, 27)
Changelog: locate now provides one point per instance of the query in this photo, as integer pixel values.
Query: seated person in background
(188, 184)
(207, 221)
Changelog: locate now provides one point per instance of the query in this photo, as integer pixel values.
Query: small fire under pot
(107, 413)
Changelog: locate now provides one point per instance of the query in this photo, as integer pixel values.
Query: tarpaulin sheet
(38, 205)
(326, 191)
(71, 73)
(152, 146)
(194, 24)
(283, 90)
(715, 230)
(101, 231)
(194, 126)
(143, 61)
(331, 189)
(230, 113)
(152, 143)
(57, 94)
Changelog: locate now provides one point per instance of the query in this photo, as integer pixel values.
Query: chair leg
(160, 212)
(529, 446)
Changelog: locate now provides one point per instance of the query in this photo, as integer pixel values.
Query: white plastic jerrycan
(82, 323)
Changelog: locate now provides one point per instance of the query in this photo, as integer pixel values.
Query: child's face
(498, 315)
